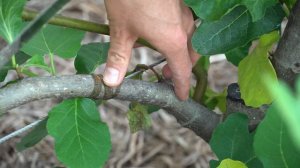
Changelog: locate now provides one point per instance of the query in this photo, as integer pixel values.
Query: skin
(167, 24)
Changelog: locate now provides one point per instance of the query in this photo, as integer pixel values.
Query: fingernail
(111, 76)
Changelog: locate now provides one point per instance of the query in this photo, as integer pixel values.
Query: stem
(14, 62)
(201, 85)
(52, 64)
(16, 66)
(29, 15)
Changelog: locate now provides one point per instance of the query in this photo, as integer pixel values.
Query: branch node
(102, 91)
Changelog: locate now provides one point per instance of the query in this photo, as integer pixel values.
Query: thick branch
(188, 113)
(287, 58)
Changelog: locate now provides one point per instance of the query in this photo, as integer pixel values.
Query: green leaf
(226, 163)
(215, 9)
(152, 108)
(21, 57)
(90, 56)
(236, 55)
(81, 139)
(289, 3)
(234, 30)
(232, 139)
(288, 106)
(10, 18)
(55, 40)
(3, 72)
(273, 143)
(138, 117)
(33, 137)
(37, 61)
(213, 99)
(212, 9)
(253, 68)
(214, 163)
(257, 8)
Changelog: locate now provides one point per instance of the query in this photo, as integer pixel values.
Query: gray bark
(287, 58)
(188, 113)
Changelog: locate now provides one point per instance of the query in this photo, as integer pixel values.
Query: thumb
(119, 53)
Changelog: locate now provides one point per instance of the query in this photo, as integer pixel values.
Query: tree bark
(286, 59)
(188, 113)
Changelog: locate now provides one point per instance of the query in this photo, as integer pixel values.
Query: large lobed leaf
(234, 29)
(273, 142)
(253, 69)
(215, 9)
(90, 56)
(232, 139)
(55, 40)
(81, 139)
(10, 18)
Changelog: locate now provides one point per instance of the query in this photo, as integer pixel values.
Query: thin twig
(141, 71)
(19, 131)
(77, 24)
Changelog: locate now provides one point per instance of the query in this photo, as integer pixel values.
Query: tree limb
(188, 113)
(286, 59)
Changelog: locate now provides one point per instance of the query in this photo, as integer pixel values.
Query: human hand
(167, 24)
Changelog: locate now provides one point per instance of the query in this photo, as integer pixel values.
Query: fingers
(170, 72)
(118, 56)
(179, 64)
(181, 68)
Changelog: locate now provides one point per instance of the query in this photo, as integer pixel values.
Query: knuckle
(117, 57)
(178, 38)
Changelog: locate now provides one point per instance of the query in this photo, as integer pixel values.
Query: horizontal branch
(79, 24)
(188, 113)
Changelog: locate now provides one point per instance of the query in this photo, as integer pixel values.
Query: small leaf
(233, 30)
(273, 143)
(152, 108)
(228, 163)
(21, 57)
(33, 137)
(251, 72)
(236, 55)
(11, 22)
(36, 61)
(81, 139)
(3, 72)
(55, 40)
(90, 56)
(213, 99)
(232, 139)
(138, 117)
